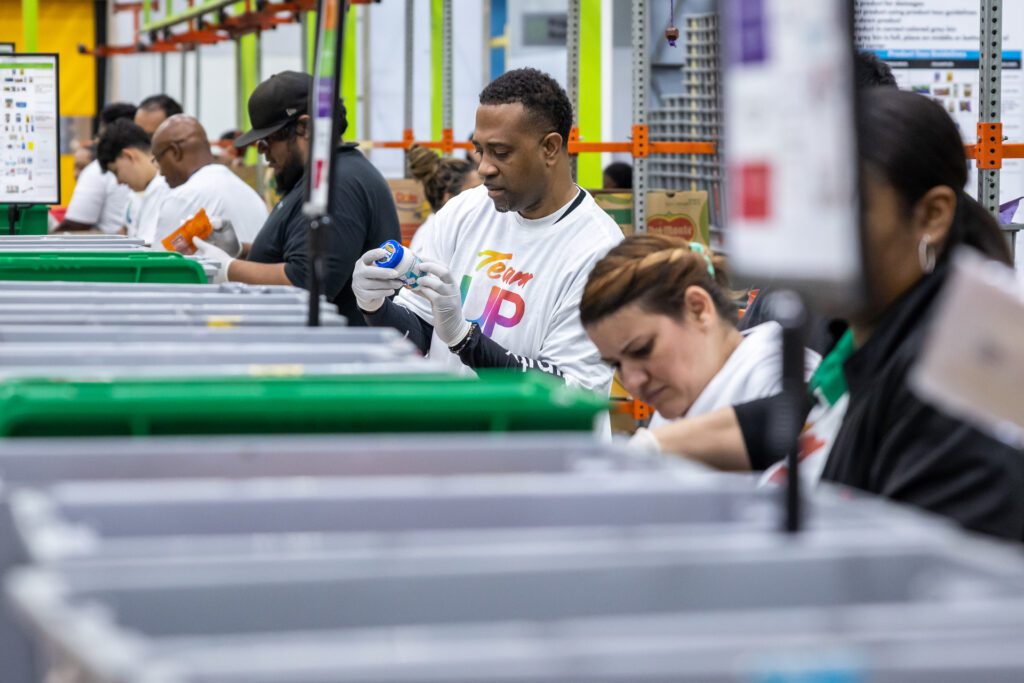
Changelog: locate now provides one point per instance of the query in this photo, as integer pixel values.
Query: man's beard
(289, 176)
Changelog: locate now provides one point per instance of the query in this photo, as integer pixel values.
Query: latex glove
(208, 252)
(438, 287)
(371, 284)
(643, 442)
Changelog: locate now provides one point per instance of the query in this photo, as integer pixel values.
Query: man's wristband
(474, 329)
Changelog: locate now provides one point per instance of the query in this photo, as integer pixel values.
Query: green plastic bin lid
(498, 401)
(150, 267)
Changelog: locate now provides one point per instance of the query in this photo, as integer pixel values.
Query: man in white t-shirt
(99, 202)
(124, 152)
(506, 264)
(182, 150)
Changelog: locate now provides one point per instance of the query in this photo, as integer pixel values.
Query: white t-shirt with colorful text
(522, 280)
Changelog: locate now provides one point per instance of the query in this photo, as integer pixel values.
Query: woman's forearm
(714, 439)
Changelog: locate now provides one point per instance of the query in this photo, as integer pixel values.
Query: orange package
(181, 239)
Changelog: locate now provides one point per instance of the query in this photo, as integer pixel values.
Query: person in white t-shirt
(124, 152)
(182, 150)
(660, 313)
(505, 266)
(99, 202)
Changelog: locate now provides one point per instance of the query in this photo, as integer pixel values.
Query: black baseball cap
(274, 103)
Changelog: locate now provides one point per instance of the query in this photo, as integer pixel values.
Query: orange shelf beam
(639, 146)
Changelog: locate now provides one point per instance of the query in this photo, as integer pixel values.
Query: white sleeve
(568, 346)
(86, 205)
(115, 207)
(420, 237)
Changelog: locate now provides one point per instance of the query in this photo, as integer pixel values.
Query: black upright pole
(784, 428)
(13, 216)
(101, 26)
(316, 267)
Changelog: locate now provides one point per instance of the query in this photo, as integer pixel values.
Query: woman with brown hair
(442, 179)
(869, 429)
(659, 310)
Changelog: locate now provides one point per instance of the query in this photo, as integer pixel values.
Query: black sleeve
(342, 243)
(417, 330)
(753, 417)
(935, 462)
(361, 212)
(295, 250)
(480, 352)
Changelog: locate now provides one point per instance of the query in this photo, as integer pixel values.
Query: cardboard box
(411, 203)
(618, 205)
(680, 214)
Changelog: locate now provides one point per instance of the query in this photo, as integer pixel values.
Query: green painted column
(310, 42)
(29, 26)
(436, 68)
(247, 56)
(588, 169)
(349, 77)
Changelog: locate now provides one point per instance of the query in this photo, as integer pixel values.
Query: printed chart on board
(30, 145)
(933, 49)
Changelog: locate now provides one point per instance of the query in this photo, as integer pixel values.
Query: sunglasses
(277, 136)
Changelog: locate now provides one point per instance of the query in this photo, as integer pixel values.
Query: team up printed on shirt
(498, 266)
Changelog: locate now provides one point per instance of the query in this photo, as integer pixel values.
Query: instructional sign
(933, 49)
(790, 150)
(29, 130)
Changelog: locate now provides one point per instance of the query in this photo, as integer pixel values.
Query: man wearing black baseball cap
(363, 211)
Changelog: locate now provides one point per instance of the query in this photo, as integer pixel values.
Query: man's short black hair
(540, 94)
(872, 72)
(116, 110)
(621, 174)
(167, 104)
(117, 137)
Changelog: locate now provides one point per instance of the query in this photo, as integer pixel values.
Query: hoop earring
(926, 254)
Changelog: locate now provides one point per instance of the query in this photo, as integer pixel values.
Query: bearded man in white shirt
(505, 267)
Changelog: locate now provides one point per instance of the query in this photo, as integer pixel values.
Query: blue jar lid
(396, 252)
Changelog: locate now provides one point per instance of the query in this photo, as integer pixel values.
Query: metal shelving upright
(695, 115)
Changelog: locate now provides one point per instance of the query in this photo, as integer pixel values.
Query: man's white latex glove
(371, 284)
(208, 252)
(438, 287)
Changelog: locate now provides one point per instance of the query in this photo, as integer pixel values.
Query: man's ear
(302, 126)
(551, 146)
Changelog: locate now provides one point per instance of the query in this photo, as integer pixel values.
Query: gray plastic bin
(253, 307)
(177, 370)
(22, 334)
(78, 247)
(109, 298)
(116, 622)
(38, 462)
(180, 318)
(222, 288)
(104, 512)
(15, 356)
